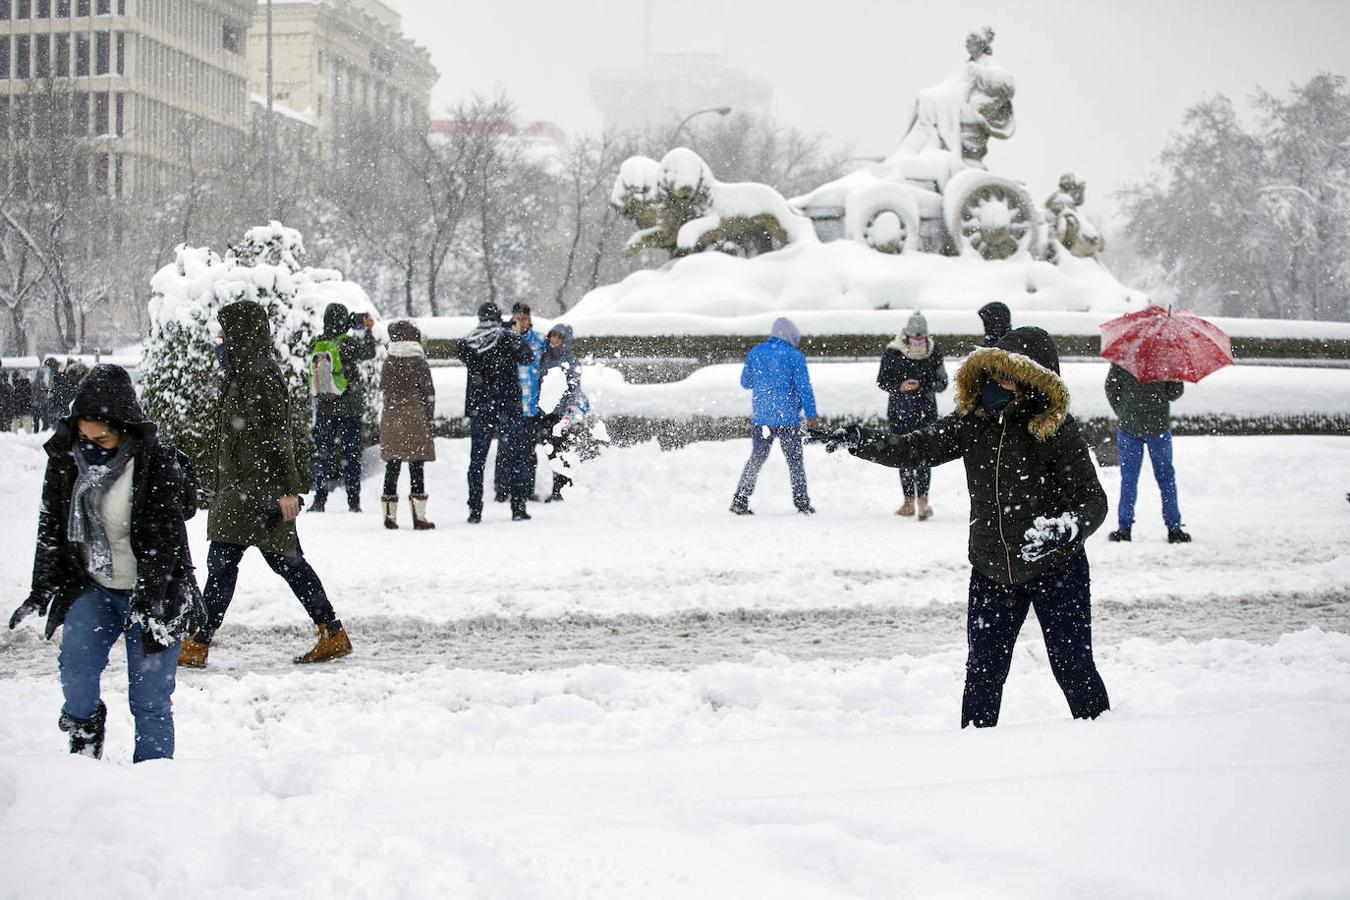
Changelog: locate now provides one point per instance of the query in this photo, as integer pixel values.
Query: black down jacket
(491, 352)
(908, 410)
(166, 599)
(1027, 462)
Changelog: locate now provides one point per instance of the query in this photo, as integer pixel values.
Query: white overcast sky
(1099, 82)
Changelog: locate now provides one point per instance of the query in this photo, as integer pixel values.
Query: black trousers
(417, 482)
(1062, 598)
(222, 568)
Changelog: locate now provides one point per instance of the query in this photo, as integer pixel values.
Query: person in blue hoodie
(775, 373)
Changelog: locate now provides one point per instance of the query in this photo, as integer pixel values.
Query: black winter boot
(1120, 534)
(1177, 536)
(741, 506)
(86, 735)
(559, 482)
(518, 513)
(475, 515)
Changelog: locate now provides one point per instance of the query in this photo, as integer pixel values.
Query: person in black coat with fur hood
(912, 372)
(1034, 499)
(112, 561)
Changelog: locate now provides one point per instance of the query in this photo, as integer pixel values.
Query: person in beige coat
(405, 422)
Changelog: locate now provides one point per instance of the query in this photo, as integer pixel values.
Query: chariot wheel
(991, 216)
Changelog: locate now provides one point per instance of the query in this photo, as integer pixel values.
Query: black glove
(1046, 535)
(849, 436)
(24, 610)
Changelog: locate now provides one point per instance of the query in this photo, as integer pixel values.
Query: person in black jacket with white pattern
(1034, 499)
(913, 373)
(112, 561)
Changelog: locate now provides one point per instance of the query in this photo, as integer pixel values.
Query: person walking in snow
(112, 562)
(1034, 499)
(997, 320)
(912, 372)
(21, 404)
(491, 352)
(340, 399)
(565, 428)
(528, 373)
(6, 399)
(775, 374)
(1145, 414)
(257, 488)
(406, 422)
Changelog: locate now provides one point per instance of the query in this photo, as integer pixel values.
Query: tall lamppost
(720, 110)
(271, 124)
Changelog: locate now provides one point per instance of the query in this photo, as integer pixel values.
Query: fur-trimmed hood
(1027, 356)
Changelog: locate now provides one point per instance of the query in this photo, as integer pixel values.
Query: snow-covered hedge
(179, 372)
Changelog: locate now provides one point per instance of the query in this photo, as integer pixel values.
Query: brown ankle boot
(906, 508)
(390, 507)
(924, 509)
(419, 511)
(192, 653)
(333, 643)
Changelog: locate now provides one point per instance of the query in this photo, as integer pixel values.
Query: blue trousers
(222, 574)
(96, 619)
(1131, 460)
(789, 438)
(511, 447)
(346, 429)
(1062, 598)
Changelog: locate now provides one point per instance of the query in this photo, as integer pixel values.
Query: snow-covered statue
(960, 114)
(1070, 228)
(679, 206)
(934, 193)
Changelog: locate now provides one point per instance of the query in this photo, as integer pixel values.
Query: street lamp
(271, 124)
(720, 110)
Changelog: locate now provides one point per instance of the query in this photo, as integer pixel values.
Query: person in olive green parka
(257, 487)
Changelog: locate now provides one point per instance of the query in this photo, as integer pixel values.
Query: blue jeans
(96, 619)
(346, 429)
(789, 438)
(511, 447)
(1131, 460)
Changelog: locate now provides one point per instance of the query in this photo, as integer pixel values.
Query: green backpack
(325, 369)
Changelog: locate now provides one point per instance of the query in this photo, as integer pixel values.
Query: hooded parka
(353, 349)
(165, 600)
(1029, 460)
(255, 459)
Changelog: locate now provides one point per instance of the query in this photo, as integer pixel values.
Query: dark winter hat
(108, 395)
(336, 318)
(1034, 343)
(489, 312)
(997, 319)
(403, 330)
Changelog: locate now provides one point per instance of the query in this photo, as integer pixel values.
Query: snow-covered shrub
(180, 373)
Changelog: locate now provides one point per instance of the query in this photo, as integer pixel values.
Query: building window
(101, 173)
(102, 53)
(42, 56)
(101, 113)
(4, 116)
(79, 114)
(4, 55)
(81, 7)
(121, 7)
(121, 53)
(44, 9)
(21, 56)
(63, 9)
(117, 176)
(62, 55)
(81, 54)
(5, 9)
(25, 10)
(103, 8)
(21, 107)
(232, 38)
(120, 114)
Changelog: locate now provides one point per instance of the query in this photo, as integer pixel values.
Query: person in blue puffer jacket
(775, 373)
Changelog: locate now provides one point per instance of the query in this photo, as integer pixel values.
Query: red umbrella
(1164, 344)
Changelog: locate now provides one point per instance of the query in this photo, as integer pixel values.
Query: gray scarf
(484, 336)
(86, 505)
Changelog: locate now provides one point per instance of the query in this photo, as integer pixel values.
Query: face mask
(995, 396)
(223, 357)
(94, 454)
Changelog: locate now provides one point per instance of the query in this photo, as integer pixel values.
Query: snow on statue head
(691, 211)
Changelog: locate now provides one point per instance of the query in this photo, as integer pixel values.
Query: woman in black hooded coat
(112, 561)
(1034, 499)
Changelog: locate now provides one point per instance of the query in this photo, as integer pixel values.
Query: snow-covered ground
(639, 695)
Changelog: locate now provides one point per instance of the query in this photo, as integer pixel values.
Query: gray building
(148, 80)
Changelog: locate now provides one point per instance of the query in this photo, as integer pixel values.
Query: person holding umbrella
(1152, 352)
(1144, 411)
